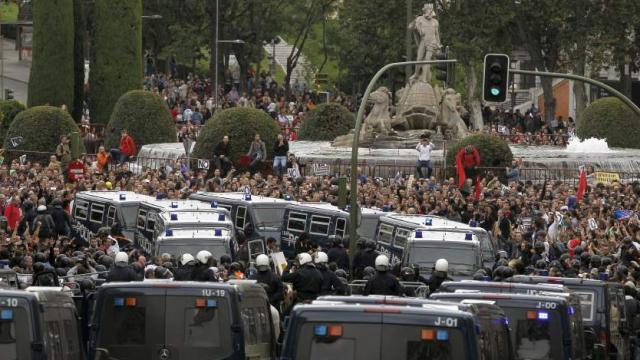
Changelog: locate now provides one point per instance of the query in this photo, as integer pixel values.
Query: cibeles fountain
(421, 107)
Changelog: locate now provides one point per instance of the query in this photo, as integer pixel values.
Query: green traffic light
(495, 91)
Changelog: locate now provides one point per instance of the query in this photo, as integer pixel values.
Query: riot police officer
(264, 275)
(202, 271)
(331, 285)
(121, 271)
(185, 272)
(338, 254)
(383, 282)
(439, 275)
(305, 278)
(364, 258)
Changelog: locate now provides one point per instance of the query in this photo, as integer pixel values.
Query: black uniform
(275, 288)
(184, 273)
(307, 282)
(436, 279)
(362, 259)
(331, 284)
(202, 272)
(383, 283)
(121, 272)
(338, 255)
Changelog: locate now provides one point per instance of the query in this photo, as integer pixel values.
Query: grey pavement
(15, 72)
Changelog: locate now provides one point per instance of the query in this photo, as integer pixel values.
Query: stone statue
(450, 119)
(427, 36)
(378, 121)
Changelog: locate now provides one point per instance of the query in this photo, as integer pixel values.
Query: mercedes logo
(164, 354)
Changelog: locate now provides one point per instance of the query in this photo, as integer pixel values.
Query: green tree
(326, 122)
(146, 117)
(609, 118)
(494, 152)
(9, 109)
(116, 62)
(51, 76)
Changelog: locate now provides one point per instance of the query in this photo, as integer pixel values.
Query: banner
(203, 164)
(321, 169)
(293, 173)
(256, 247)
(279, 262)
(607, 177)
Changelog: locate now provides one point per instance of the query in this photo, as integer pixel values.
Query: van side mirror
(102, 354)
(37, 347)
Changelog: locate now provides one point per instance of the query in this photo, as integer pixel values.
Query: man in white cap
(121, 271)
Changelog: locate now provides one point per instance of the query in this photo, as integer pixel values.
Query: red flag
(478, 187)
(582, 185)
(460, 170)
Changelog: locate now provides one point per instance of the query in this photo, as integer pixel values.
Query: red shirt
(469, 160)
(127, 146)
(12, 213)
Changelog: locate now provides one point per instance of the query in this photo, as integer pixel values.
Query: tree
(51, 76)
(609, 118)
(116, 61)
(146, 117)
(9, 109)
(326, 122)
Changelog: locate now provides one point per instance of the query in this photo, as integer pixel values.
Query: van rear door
(16, 328)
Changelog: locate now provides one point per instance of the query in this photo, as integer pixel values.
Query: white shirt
(425, 151)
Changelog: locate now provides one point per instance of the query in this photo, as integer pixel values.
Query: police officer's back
(185, 272)
(338, 254)
(202, 271)
(383, 282)
(306, 281)
(264, 275)
(121, 271)
(364, 258)
(439, 275)
(331, 285)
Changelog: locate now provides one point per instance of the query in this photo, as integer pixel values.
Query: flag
(478, 187)
(460, 171)
(582, 185)
(622, 214)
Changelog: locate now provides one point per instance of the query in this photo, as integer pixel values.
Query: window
(228, 207)
(265, 325)
(82, 210)
(319, 225)
(241, 215)
(53, 334)
(297, 222)
(112, 215)
(97, 213)
(586, 304)
(341, 227)
(71, 334)
(250, 328)
(400, 240)
(385, 234)
(151, 221)
(142, 217)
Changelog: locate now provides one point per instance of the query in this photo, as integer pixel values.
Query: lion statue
(379, 121)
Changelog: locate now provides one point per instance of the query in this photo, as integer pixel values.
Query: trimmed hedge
(145, 115)
(241, 124)
(41, 128)
(116, 63)
(51, 77)
(9, 110)
(326, 122)
(494, 152)
(609, 118)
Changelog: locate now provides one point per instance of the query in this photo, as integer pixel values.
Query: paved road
(15, 73)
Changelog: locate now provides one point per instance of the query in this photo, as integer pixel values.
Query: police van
(157, 217)
(603, 311)
(543, 326)
(257, 216)
(93, 210)
(321, 220)
(40, 323)
(362, 331)
(493, 336)
(182, 320)
(393, 231)
(218, 241)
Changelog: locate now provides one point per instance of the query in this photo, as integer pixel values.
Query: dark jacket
(202, 273)
(222, 149)
(331, 284)
(307, 282)
(280, 150)
(62, 221)
(275, 288)
(338, 255)
(383, 283)
(121, 272)
(184, 273)
(362, 259)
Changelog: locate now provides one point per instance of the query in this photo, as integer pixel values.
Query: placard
(279, 262)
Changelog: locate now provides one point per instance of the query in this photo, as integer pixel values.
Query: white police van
(218, 241)
(93, 210)
(415, 239)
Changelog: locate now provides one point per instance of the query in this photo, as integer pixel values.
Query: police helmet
(38, 267)
(100, 268)
(341, 274)
(507, 272)
(442, 265)
(122, 257)
(186, 259)
(575, 264)
(578, 250)
(541, 265)
(585, 258)
(262, 262)
(321, 258)
(61, 272)
(203, 256)
(225, 259)
(368, 272)
(161, 272)
(105, 260)
(407, 273)
(606, 261)
(304, 258)
(382, 263)
(86, 284)
(98, 254)
(596, 261)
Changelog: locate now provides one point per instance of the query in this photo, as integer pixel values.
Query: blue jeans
(118, 156)
(422, 164)
(279, 165)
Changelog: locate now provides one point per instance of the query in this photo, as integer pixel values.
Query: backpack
(47, 228)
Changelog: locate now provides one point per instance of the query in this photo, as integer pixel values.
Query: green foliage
(8, 11)
(241, 124)
(326, 121)
(41, 128)
(494, 152)
(609, 118)
(51, 78)
(146, 117)
(116, 64)
(9, 110)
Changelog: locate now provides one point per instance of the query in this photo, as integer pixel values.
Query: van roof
(177, 205)
(113, 196)
(196, 217)
(557, 280)
(51, 294)
(548, 297)
(462, 284)
(194, 233)
(324, 207)
(437, 222)
(237, 197)
(427, 309)
(241, 285)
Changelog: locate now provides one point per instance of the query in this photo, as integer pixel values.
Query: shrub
(609, 118)
(145, 115)
(116, 63)
(326, 122)
(9, 110)
(494, 152)
(241, 124)
(40, 128)
(51, 78)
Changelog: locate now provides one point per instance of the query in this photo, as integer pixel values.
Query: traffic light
(496, 78)
(442, 69)
(8, 94)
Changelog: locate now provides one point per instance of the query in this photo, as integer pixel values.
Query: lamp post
(215, 57)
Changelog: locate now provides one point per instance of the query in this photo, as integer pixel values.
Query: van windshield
(217, 249)
(129, 214)
(536, 334)
(269, 216)
(462, 259)
(14, 333)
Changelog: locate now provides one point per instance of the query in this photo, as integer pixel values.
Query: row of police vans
(527, 317)
(211, 221)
